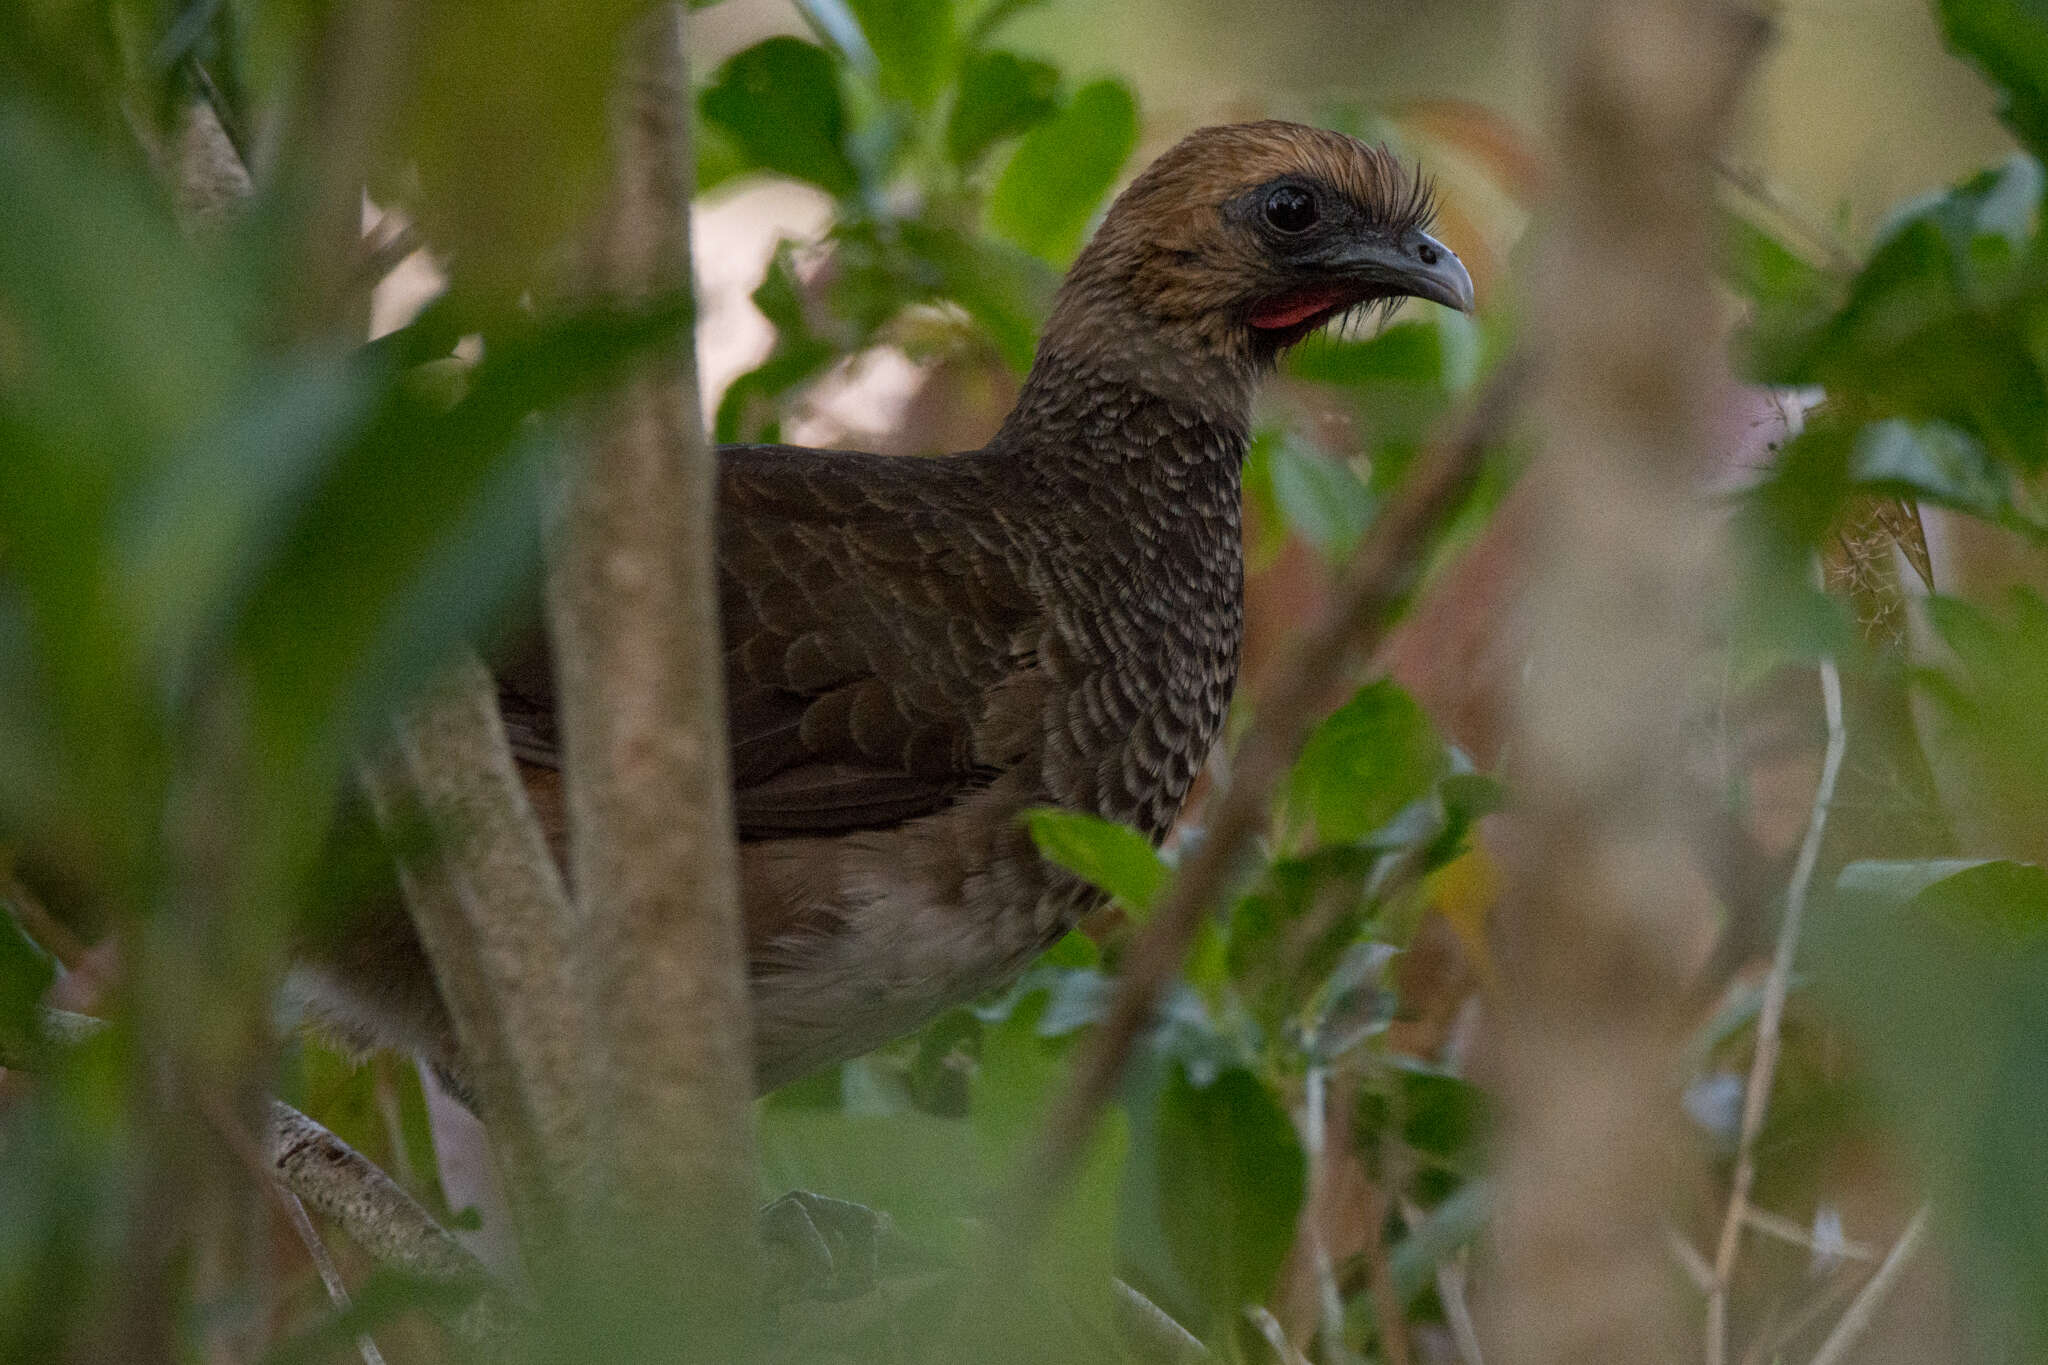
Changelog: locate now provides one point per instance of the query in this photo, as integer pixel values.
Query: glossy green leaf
(1005, 290)
(1941, 982)
(1061, 171)
(1114, 857)
(1371, 757)
(1450, 1226)
(1322, 501)
(912, 41)
(779, 102)
(1222, 1183)
(993, 15)
(1986, 716)
(509, 176)
(1001, 95)
(1407, 352)
(25, 973)
(1939, 324)
(2008, 39)
(1931, 460)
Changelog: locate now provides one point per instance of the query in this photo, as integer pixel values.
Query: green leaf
(1932, 460)
(779, 102)
(1940, 323)
(1001, 95)
(1321, 499)
(1941, 982)
(2008, 40)
(1008, 292)
(994, 15)
(1370, 758)
(1410, 353)
(749, 409)
(1118, 859)
(1450, 1226)
(1057, 177)
(26, 971)
(912, 41)
(1987, 713)
(1220, 1184)
(419, 531)
(1760, 267)
(194, 532)
(1443, 1116)
(507, 176)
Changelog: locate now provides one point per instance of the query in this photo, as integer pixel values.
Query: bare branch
(1871, 1297)
(497, 926)
(632, 604)
(1150, 1332)
(1763, 1069)
(330, 1273)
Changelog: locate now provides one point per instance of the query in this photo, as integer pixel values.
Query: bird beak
(1414, 264)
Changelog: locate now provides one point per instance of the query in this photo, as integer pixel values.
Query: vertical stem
(1756, 1099)
(632, 598)
(1594, 946)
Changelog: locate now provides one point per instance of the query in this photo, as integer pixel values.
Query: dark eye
(1291, 209)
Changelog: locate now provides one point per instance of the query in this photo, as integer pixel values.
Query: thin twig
(1268, 1326)
(330, 1273)
(1450, 1291)
(1871, 1297)
(1150, 1331)
(46, 929)
(1315, 1137)
(1785, 1230)
(1390, 1315)
(1834, 253)
(1763, 1069)
(1375, 583)
(1770, 1345)
(1688, 1258)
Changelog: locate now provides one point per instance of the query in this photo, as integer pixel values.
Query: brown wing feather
(864, 636)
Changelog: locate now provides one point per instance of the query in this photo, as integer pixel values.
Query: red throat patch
(1291, 310)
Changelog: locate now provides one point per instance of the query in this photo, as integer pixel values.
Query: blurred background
(235, 542)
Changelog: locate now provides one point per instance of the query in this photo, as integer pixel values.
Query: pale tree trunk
(632, 598)
(1599, 932)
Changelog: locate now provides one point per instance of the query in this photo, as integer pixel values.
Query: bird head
(1242, 240)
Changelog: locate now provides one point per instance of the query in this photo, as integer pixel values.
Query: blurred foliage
(232, 544)
(962, 174)
(1932, 385)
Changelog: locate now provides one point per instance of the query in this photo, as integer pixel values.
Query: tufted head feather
(1241, 240)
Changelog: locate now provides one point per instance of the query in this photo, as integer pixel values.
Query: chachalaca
(919, 650)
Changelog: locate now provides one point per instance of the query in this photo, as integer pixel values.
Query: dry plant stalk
(1595, 930)
(632, 599)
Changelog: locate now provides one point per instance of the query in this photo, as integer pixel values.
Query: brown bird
(917, 651)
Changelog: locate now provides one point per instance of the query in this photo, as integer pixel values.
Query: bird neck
(1115, 405)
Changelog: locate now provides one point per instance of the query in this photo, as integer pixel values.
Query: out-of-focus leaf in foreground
(1940, 973)
(1215, 1180)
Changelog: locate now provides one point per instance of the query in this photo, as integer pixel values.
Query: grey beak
(1415, 264)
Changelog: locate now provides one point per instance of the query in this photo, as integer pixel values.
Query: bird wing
(871, 607)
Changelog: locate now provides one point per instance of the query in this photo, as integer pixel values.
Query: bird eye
(1291, 209)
